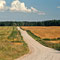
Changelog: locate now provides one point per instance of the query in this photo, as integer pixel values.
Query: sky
(29, 10)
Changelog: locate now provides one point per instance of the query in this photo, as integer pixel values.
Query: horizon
(29, 21)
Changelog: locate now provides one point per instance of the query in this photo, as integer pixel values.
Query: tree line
(42, 23)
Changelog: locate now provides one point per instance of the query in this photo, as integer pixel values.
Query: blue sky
(37, 10)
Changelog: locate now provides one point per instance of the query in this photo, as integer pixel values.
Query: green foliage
(38, 23)
(34, 36)
(13, 35)
(47, 39)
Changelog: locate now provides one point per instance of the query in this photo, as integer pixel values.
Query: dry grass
(11, 44)
(55, 42)
(44, 32)
(47, 36)
(51, 32)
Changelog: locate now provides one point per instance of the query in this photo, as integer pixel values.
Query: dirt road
(38, 51)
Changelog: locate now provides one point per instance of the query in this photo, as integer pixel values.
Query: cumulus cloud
(18, 6)
(2, 4)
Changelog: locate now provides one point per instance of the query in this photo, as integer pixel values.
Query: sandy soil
(38, 51)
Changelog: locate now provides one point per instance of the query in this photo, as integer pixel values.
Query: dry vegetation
(11, 43)
(57, 41)
(51, 32)
(48, 36)
(44, 32)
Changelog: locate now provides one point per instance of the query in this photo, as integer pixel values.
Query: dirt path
(38, 51)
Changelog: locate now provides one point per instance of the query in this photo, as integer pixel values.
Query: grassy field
(48, 36)
(51, 32)
(12, 45)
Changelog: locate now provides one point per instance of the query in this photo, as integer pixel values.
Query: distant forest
(42, 23)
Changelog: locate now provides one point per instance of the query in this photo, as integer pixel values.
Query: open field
(37, 50)
(51, 32)
(48, 36)
(11, 43)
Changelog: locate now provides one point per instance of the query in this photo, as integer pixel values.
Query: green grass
(43, 42)
(47, 39)
(9, 50)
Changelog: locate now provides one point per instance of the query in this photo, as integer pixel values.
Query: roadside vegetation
(12, 44)
(43, 42)
(52, 39)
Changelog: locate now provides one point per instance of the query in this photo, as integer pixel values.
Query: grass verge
(51, 45)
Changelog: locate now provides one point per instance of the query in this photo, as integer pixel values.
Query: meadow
(12, 44)
(48, 36)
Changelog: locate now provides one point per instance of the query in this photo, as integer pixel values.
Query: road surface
(37, 51)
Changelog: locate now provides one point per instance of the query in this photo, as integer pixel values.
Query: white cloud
(18, 6)
(36, 11)
(2, 4)
(58, 7)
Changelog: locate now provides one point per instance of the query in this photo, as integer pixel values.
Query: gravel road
(38, 51)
